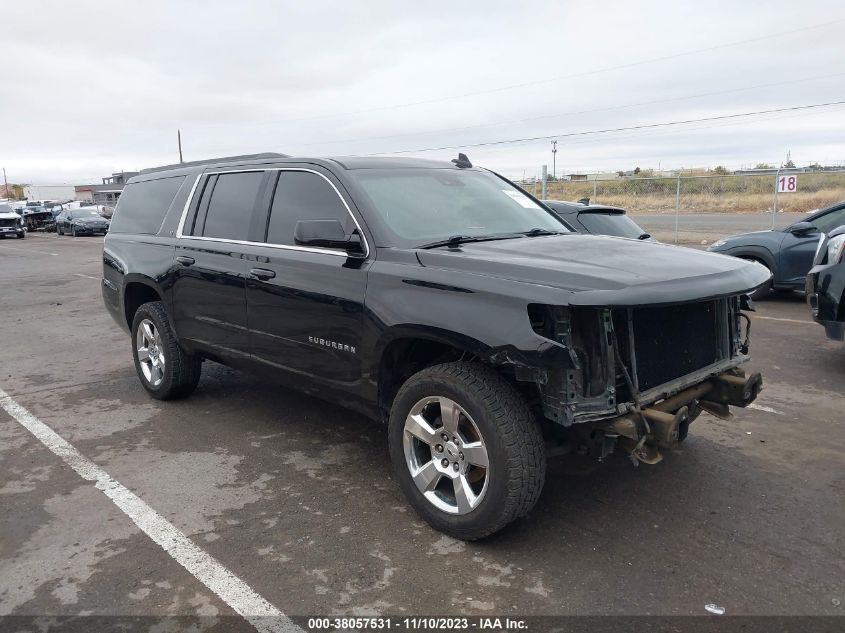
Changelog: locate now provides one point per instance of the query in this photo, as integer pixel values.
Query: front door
(211, 266)
(305, 305)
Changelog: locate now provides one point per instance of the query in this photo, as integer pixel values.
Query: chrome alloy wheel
(446, 455)
(150, 352)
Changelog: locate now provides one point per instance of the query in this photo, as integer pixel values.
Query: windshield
(422, 205)
(85, 213)
(616, 224)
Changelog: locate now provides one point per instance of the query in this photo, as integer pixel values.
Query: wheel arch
(138, 290)
(758, 254)
(402, 351)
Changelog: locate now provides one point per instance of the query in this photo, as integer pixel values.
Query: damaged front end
(638, 376)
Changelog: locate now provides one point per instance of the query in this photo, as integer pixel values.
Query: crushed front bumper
(664, 424)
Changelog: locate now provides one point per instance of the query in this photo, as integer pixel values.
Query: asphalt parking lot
(294, 496)
(705, 228)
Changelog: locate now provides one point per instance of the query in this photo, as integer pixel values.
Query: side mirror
(800, 229)
(327, 234)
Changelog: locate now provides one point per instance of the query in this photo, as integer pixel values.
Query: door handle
(185, 260)
(261, 273)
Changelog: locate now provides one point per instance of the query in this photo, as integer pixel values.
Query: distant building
(48, 192)
(581, 177)
(106, 193)
(772, 171)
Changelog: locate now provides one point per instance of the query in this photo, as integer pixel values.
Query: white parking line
(31, 250)
(88, 276)
(760, 407)
(204, 567)
(786, 320)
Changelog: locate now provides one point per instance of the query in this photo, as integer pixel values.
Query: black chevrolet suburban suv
(439, 298)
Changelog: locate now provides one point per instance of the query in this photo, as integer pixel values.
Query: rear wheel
(466, 449)
(166, 371)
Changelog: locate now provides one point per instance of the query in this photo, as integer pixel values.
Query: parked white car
(11, 223)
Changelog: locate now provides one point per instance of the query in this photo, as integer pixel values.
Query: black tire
(509, 431)
(181, 372)
(21, 236)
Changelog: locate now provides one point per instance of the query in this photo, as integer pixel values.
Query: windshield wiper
(457, 240)
(538, 232)
(644, 236)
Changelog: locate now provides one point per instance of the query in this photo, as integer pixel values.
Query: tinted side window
(231, 204)
(302, 195)
(143, 205)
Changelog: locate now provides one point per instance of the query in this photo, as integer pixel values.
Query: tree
(637, 171)
(763, 166)
(721, 171)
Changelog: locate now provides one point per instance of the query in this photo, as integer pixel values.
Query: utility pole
(179, 140)
(554, 163)
(543, 186)
(5, 182)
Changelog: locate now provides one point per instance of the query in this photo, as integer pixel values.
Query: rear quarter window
(143, 205)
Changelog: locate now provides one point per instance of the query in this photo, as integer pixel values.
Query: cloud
(93, 88)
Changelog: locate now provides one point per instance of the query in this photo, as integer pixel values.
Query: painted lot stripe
(204, 567)
(802, 321)
(28, 250)
(760, 407)
(88, 276)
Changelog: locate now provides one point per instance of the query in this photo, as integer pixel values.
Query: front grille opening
(670, 341)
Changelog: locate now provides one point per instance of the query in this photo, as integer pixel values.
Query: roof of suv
(383, 162)
(345, 162)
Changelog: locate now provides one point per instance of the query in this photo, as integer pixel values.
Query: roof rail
(211, 161)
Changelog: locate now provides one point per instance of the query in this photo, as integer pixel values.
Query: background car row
(77, 217)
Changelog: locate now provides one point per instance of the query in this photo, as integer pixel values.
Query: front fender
(760, 253)
(484, 316)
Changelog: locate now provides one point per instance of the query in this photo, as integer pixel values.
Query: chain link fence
(694, 208)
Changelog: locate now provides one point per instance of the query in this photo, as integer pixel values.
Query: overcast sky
(95, 87)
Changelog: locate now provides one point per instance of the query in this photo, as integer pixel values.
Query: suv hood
(9, 215)
(602, 271)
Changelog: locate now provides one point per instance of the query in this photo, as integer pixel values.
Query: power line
(576, 112)
(617, 129)
(585, 73)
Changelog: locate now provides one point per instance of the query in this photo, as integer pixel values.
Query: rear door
(212, 263)
(305, 305)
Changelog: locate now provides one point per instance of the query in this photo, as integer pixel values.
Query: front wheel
(763, 291)
(166, 371)
(21, 235)
(466, 449)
